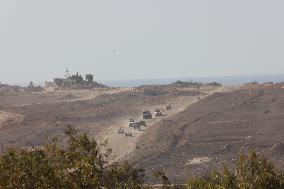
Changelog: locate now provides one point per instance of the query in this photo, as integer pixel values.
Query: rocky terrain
(207, 126)
(44, 115)
(214, 131)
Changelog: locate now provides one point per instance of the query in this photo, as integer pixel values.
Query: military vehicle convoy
(145, 115)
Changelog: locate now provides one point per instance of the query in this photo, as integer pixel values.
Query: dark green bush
(83, 163)
(252, 172)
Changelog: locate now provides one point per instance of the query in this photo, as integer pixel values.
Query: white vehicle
(130, 122)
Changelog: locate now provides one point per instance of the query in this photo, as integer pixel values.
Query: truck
(168, 107)
(130, 122)
(157, 112)
(146, 115)
(136, 125)
(143, 123)
(120, 131)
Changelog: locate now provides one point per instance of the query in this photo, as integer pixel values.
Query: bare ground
(45, 115)
(123, 146)
(208, 126)
(214, 131)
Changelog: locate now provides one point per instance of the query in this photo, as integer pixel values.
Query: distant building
(71, 83)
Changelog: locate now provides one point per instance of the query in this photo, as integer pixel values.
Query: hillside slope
(214, 131)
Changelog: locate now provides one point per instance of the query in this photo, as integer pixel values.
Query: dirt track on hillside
(122, 145)
(45, 115)
(215, 129)
(202, 131)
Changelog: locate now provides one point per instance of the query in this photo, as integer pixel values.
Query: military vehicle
(143, 123)
(130, 122)
(146, 115)
(136, 125)
(157, 112)
(120, 131)
(168, 107)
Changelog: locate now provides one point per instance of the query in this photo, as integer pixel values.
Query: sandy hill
(207, 126)
(214, 131)
(44, 115)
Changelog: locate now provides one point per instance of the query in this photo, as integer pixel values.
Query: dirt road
(213, 132)
(122, 145)
(99, 113)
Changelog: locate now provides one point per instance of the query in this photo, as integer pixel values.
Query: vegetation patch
(84, 163)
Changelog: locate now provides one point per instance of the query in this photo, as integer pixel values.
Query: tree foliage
(252, 172)
(90, 78)
(83, 163)
(78, 78)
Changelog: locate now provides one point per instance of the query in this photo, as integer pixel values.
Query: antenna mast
(67, 73)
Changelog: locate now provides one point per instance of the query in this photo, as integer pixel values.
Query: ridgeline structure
(6, 90)
(74, 82)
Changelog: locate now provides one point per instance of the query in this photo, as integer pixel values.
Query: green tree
(78, 78)
(252, 172)
(90, 78)
(31, 84)
(82, 164)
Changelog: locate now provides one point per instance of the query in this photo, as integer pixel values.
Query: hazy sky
(151, 38)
